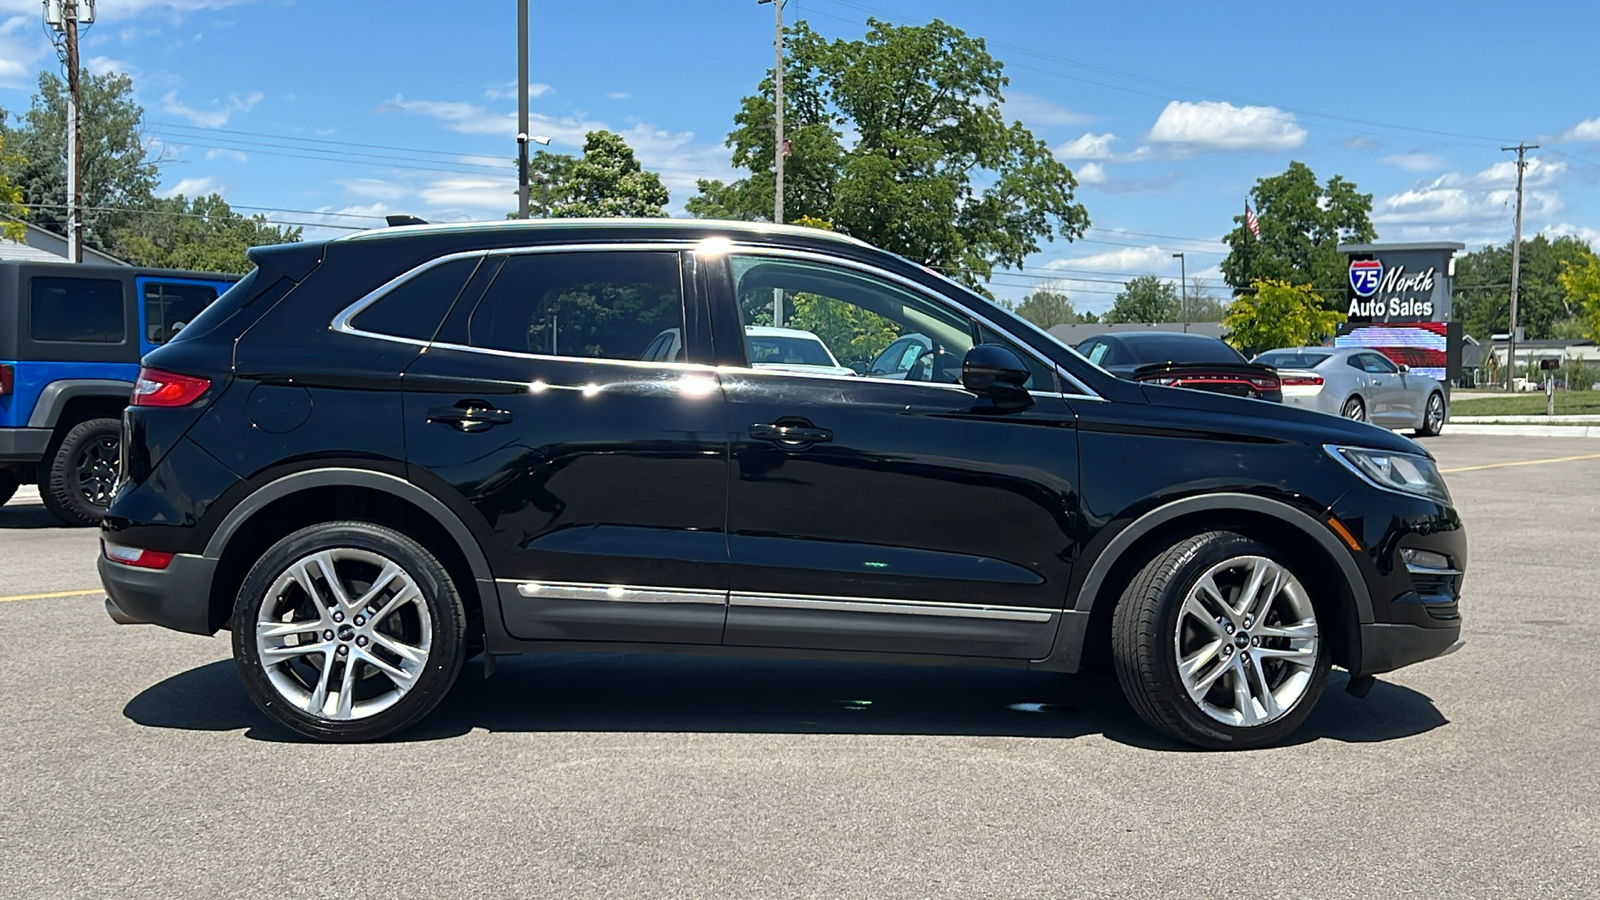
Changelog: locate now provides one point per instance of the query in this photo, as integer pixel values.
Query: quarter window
(169, 308)
(596, 305)
(414, 308)
(77, 310)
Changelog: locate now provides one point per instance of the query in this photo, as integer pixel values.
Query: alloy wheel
(343, 633)
(1247, 641)
(97, 471)
(1435, 414)
(1354, 409)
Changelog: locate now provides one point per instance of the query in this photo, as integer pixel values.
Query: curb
(1528, 420)
(1569, 431)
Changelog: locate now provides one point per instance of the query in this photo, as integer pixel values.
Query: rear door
(596, 476)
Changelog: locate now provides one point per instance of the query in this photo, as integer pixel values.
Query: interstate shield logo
(1365, 276)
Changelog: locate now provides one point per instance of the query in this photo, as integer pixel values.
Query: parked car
(1178, 359)
(380, 455)
(790, 350)
(70, 342)
(1360, 384)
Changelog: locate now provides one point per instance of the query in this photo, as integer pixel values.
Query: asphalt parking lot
(134, 766)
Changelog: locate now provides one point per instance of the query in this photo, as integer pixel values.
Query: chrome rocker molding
(615, 593)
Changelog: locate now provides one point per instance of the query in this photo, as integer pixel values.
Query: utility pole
(1183, 275)
(1516, 268)
(65, 17)
(778, 143)
(522, 109)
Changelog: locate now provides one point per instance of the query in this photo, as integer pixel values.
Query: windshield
(1160, 348)
(784, 350)
(1292, 359)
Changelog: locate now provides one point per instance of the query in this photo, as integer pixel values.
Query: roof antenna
(403, 220)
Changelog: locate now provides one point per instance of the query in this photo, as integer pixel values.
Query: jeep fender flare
(55, 396)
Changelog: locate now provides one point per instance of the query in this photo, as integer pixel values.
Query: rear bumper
(177, 597)
(1386, 647)
(23, 445)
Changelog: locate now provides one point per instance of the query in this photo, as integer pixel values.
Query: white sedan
(1361, 384)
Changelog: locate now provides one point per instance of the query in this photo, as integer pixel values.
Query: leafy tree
(1279, 314)
(116, 171)
(1302, 223)
(203, 234)
(1146, 299)
(607, 181)
(853, 334)
(549, 181)
(10, 195)
(933, 171)
(1581, 281)
(1483, 286)
(1046, 307)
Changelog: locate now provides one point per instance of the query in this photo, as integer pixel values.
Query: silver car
(1360, 384)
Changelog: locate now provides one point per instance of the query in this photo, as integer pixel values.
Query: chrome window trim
(711, 226)
(745, 249)
(892, 607)
(615, 593)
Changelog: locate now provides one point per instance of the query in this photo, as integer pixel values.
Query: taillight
(8, 378)
(158, 388)
(1265, 384)
(137, 557)
(1302, 381)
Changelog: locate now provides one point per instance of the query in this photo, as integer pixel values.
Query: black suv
(378, 456)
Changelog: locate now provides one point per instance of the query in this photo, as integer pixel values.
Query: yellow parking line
(52, 595)
(1526, 462)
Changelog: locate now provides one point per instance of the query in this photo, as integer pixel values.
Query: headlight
(1415, 475)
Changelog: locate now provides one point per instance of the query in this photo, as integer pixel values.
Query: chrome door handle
(790, 434)
(469, 416)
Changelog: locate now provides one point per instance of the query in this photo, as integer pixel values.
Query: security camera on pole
(66, 18)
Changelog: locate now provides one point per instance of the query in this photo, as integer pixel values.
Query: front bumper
(177, 597)
(1386, 647)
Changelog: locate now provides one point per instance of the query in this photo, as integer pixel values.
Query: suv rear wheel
(348, 631)
(83, 472)
(1216, 642)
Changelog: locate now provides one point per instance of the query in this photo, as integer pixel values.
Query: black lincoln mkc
(378, 456)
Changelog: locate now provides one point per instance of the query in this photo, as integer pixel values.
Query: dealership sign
(1365, 275)
(1399, 303)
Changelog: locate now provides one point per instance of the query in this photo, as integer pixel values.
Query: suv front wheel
(348, 631)
(1216, 642)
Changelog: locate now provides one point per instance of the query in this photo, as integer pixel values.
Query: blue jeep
(71, 337)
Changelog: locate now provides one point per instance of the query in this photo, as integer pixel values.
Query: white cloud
(1587, 130)
(1088, 173)
(1415, 162)
(508, 90)
(101, 65)
(1089, 146)
(1361, 142)
(21, 48)
(216, 153)
(1210, 125)
(1471, 208)
(1034, 111)
(190, 187)
(1583, 232)
(216, 113)
(619, 95)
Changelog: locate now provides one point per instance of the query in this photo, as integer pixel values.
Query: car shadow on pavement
(644, 693)
(30, 516)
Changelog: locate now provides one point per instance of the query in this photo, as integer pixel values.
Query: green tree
(1146, 299)
(10, 195)
(203, 234)
(549, 181)
(608, 181)
(1279, 314)
(1302, 224)
(116, 170)
(933, 172)
(1581, 281)
(1483, 286)
(1046, 307)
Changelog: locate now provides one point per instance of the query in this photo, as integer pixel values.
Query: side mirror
(858, 367)
(994, 372)
(1404, 368)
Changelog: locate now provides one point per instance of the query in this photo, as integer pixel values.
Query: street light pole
(66, 18)
(1183, 275)
(522, 109)
(777, 99)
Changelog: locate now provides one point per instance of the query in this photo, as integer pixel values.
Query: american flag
(1250, 221)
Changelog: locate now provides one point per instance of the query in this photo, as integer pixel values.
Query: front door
(890, 512)
(597, 476)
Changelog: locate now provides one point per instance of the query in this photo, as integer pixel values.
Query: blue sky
(1167, 112)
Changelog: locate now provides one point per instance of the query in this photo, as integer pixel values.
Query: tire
(413, 623)
(1354, 408)
(83, 472)
(1433, 413)
(8, 486)
(1166, 621)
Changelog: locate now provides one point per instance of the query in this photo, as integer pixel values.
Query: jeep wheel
(348, 631)
(83, 472)
(1217, 643)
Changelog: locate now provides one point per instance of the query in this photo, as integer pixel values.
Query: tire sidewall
(62, 492)
(442, 601)
(1427, 429)
(1216, 734)
(1359, 404)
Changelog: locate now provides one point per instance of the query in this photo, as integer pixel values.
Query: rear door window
(77, 310)
(169, 307)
